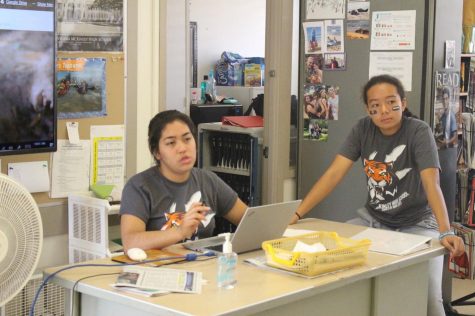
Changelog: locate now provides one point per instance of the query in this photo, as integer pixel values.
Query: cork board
(115, 112)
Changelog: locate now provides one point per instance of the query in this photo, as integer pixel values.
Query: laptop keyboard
(217, 248)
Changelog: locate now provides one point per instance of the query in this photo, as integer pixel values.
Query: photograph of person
(321, 102)
(334, 36)
(316, 129)
(334, 61)
(313, 68)
(445, 131)
(313, 32)
(315, 103)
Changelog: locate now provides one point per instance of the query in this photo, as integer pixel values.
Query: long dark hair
(158, 123)
(389, 80)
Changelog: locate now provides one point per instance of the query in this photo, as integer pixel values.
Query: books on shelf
(471, 85)
(464, 266)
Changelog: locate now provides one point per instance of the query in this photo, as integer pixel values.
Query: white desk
(385, 285)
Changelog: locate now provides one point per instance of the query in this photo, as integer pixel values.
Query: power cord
(187, 257)
(76, 284)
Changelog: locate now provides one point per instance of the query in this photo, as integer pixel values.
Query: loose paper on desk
(292, 232)
(172, 280)
(34, 175)
(107, 155)
(392, 242)
(70, 168)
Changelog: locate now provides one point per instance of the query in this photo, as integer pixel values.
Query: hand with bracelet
(295, 218)
(453, 243)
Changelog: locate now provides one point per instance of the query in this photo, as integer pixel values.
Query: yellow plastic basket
(341, 253)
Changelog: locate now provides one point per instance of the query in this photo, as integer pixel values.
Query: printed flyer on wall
(81, 87)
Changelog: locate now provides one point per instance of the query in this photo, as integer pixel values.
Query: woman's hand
(454, 244)
(192, 219)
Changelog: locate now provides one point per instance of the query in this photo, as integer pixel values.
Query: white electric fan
(21, 237)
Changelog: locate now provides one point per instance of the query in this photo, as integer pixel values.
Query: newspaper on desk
(163, 279)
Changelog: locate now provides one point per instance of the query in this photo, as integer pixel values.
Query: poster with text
(446, 106)
(90, 25)
(393, 30)
(81, 87)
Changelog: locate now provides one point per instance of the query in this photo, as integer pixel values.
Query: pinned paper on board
(108, 155)
(34, 175)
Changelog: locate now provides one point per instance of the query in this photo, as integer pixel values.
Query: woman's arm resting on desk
(236, 212)
(324, 186)
(134, 234)
(430, 181)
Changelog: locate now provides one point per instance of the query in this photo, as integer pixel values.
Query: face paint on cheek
(396, 108)
(373, 112)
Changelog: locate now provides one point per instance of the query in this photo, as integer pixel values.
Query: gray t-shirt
(392, 165)
(161, 203)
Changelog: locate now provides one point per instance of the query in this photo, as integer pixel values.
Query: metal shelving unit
(235, 155)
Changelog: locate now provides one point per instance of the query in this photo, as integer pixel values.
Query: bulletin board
(114, 115)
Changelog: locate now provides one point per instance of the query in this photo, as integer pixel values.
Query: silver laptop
(258, 224)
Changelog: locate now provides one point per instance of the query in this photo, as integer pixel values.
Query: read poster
(446, 107)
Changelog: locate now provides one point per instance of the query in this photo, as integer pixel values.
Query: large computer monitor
(27, 71)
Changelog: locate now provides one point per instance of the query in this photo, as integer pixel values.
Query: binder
(243, 121)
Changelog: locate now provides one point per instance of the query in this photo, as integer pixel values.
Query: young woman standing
(401, 163)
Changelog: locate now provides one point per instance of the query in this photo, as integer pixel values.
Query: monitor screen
(27, 71)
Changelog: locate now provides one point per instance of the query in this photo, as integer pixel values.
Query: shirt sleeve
(351, 147)
(135, 201)
(425, 148)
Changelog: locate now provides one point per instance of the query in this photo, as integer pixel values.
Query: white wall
(176, 54)
(228, 25)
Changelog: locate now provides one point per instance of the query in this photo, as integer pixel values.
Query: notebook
(258, 224)
(393, 242)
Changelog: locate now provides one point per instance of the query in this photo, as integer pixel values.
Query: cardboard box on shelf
(252, 75)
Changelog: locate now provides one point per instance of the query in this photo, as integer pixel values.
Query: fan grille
(51, 301)
(20, 221)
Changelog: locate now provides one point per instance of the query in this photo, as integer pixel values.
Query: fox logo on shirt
(382, 176)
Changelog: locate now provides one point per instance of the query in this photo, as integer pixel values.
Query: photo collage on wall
(324, 37)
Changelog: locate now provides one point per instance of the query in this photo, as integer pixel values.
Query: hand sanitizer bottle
(227, 262)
